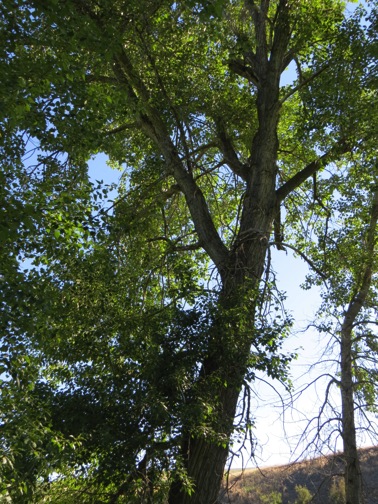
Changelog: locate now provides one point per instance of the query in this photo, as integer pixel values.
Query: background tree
(188, 96)
(348, 315)
(341, 247)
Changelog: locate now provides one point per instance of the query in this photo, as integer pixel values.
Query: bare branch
(297, 251)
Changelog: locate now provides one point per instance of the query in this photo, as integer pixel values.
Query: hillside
(321, 477)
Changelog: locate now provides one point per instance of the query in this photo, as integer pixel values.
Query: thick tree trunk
(241, 267)
(205, 455)
(206, 460)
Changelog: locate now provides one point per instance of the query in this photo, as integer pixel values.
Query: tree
(345, 254)
(349, 366)
(347, 314)
(188, 96)
(341, 248)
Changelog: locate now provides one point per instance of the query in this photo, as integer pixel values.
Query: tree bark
(352, 476)
(205, 459)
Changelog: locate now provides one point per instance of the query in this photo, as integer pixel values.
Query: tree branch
(229, 153)
(259, 17)
(104, 79)
(341, 147)
(359, 299)
(154, 127)
(121, 128)
(173, 246)
(303, 256)
(303, 83)
(240, 68)
(281, 37)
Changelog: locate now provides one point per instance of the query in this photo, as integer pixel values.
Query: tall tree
(188, 95)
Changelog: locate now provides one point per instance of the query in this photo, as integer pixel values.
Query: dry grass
(321, 476)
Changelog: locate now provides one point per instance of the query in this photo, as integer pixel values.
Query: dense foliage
(131, 326)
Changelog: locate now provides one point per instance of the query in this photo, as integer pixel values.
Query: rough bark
(247, 256)
(205, 459)
(244, 270)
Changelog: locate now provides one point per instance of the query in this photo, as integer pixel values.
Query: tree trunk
(205, 455)
(352, 476)
(206, 460)
(240, 267)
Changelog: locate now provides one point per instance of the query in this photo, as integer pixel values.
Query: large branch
(281, 37)
(247, 71)
(229, 153)
(259, 15)
(203, 222)
(150, 122)
(288, 187)
(154, 127)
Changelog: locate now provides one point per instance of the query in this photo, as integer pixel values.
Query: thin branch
(303, 84)
(167, 97)
(174, 247)
(104, 79)
(297, 251)
(200, 150)
(363, 322)
(121, 128)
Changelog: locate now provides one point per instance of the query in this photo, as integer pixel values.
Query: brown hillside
(321, 476)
